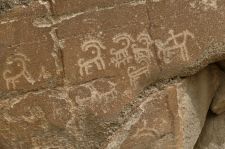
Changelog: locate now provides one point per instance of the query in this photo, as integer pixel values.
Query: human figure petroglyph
(141, 53)
(121, 56)
(11, 79)
(145, 132)
(135, 74)
(167, 50)
(96, 46)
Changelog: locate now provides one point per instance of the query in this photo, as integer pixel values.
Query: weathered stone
(155, 125)
(154, 38)
(212, 136)
(183, 21)
(195, 96)
(29, 56)
(28, 67)
(27, 120)
(102, 21)
(218, 104)
(11, 36)
(83, 6)
(106, 52)
(172, 118)
(6, 5)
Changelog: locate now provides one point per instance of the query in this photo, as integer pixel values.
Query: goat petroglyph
(98, 98)
(95, 46)
(19, 60)
(142, 53)
(167, 50)
(135, 73)
(121, 56)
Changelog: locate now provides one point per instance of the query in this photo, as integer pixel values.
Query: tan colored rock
(172, 118)
(29, 57)
(107, 52)
(35, 119)
(212, 136)
(97, 115)
(195, 96)
(138, 45)
(218, 104)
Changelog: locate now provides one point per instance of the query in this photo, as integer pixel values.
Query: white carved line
(98, 98)
(97, 61)
(166, 51)
(141, 54)
(56, 51)
(145, 132)
(11, 79)
(122, 134)
(135, 74)
(121, 56)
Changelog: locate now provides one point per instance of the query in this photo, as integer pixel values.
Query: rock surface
(195, 96)
(73, 73)
(212, 136)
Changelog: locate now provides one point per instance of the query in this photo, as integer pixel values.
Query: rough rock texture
(212, 136)
(195, 96)
(73, 73)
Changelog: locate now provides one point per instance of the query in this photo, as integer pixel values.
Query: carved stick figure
(20, 60)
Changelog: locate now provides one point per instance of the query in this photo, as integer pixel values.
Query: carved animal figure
(145, 132)
(19, 60)
(97, 61)
(98, 99)
(121, 56)
(141, 53)
(175, 42)
(134, 74)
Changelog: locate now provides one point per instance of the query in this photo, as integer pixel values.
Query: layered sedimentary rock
(73, 72)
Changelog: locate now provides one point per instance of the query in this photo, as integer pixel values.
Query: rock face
(73, 73)
(212, 136)
(195, 96)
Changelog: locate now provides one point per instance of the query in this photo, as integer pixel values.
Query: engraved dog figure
(19, 60)
(178, 41)
(121, 56)
(97, 60)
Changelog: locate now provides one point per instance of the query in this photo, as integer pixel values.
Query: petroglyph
(143, 53)
(98, 99)
(35, 114)
(19, 60)
(95, 46)
(44, 74)
(121, 56)
(56, 51)
(205, 4)
(167, 50)
(209, 4)
(135, 74)
(145, 132)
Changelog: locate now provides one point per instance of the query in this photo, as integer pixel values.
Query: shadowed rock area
(112, 74)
